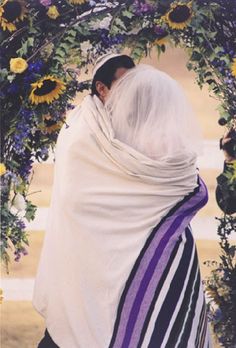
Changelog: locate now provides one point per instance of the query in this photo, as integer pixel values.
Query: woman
(119, 267)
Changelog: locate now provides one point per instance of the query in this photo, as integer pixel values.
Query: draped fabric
(118, 267)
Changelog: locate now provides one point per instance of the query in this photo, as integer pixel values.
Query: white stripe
(196, 318)
(163, 292)
(203, 327)
(173, 318)
(208, 340)
(189, 307)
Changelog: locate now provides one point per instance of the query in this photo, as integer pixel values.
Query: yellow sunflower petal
(77, 2)
(12, 12)
(179, 15)
(53, 12)
(233, 67)
(2, 169)
(44, 96)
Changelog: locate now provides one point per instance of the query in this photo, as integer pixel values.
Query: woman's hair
(106, 73)
(149, 112)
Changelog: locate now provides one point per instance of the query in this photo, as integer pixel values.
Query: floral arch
(39, 41)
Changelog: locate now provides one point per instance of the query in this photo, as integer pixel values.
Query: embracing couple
(119, 267)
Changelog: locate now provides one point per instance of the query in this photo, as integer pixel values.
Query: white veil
(149, 112)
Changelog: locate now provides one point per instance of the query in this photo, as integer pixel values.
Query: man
(108, 69)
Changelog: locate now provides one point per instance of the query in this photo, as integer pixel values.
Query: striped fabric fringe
(162, 304)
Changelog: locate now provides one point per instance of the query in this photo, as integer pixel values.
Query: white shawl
(106, 199)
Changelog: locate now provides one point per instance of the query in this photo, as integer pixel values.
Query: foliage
(221, 286)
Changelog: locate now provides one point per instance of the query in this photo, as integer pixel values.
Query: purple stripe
(154, 252)
(150, 292)
(144, 264)
(162, 257)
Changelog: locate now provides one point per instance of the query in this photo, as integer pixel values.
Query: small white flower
(101, 24)
(85, 47)
(19, 202)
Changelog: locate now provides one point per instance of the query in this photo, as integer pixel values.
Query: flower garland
(41, 39)
(221, 286)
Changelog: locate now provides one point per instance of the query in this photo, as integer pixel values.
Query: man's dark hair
(106, 73)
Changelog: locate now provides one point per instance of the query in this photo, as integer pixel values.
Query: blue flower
(217, 316)
(13, 89)
(109, 41)
(36, 67)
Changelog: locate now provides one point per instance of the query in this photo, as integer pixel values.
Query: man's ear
(101, 89)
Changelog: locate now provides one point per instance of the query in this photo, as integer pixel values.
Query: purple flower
(13, 89)
(217, 315)
(20, 224)
(45, 2)
(36, 67)
(160, 31)
(109, 41)
(141, 7)
(28, 79)
(25, 169)
(26, 114)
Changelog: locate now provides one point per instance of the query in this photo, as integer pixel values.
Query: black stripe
(141, 254)
(172, 296)
(181, 317)
(157, 291)
(199, 329)
(203, 335)
(189, 323)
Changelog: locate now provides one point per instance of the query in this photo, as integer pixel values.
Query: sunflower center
(180, 14)
(12, 11)
(50, 123)
(47, 87)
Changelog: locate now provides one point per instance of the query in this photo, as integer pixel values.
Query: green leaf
(120, 23)
(127, 14)
(65, 46)
(71, 32)
(70, 39)
(60, 52)
(59, 59)
(25, 46)
(196, 56)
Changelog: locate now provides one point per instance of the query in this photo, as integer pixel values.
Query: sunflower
(47, 89)
(18, 65)
(161, 40)
(50, 125)
(2, 169)
(53, 12)
(179, 15)
(11, 12)
(233, 67)
(77, 2)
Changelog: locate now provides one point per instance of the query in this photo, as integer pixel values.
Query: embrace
(119, 267)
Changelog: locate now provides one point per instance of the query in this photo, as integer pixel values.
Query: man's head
(108, 72)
